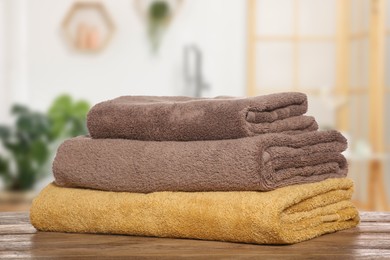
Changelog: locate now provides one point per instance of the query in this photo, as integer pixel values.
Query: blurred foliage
(29, 143)
(67, 118)
(158, 16)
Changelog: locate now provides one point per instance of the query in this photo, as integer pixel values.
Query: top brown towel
(186, 118)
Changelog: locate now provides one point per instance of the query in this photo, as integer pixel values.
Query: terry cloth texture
(259, 163)
(283, 216)
(186, 119)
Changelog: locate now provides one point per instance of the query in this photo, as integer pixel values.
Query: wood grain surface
(18, 239)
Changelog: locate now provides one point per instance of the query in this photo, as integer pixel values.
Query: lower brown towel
(258, 163)
(283, 216)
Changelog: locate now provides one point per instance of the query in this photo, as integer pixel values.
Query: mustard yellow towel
(283, 216)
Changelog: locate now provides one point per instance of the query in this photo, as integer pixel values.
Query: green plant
(158, 16)
(67, 117)
(30, 142)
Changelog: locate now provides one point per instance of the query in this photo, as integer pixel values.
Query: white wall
(3, 105)
(127, 66)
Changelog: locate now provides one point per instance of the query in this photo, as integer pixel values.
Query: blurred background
(57, 58)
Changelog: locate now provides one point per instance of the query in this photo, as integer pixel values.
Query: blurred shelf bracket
(88, 27)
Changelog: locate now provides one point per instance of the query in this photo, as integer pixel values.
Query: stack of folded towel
(253, 170)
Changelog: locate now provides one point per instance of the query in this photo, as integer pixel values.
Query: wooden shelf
(309, 38)
(20, 240)
(376, 90)
(358, 35)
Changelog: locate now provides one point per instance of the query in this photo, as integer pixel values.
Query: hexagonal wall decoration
(88, 26)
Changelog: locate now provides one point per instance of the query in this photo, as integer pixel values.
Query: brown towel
(187, 119)
(259, 163)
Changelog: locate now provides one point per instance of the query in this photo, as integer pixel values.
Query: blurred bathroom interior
(58, 58)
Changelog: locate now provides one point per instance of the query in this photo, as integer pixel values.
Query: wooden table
(18, 239)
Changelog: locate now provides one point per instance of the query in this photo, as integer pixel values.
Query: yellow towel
(283, 216)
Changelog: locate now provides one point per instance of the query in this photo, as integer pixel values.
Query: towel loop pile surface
(188, 119)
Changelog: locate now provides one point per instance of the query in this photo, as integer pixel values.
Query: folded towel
(259, 163)
(186, 119)
(283, 216)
